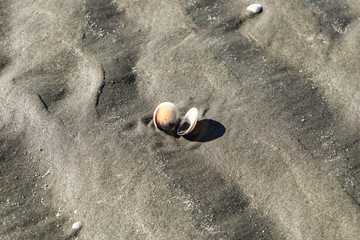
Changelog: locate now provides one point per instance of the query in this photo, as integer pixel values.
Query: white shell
(166, 116)
(76, 225)
(255, 8)
(188, 123)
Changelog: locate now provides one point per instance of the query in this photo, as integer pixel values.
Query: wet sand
(275, 154)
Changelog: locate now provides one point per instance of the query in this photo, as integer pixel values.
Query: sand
(275, 154)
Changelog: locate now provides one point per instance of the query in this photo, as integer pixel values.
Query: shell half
(255, 8)
(166, 116)
(188, 122)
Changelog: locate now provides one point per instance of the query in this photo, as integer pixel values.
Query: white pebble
(77, 225)
(76, 212)
(255, 8)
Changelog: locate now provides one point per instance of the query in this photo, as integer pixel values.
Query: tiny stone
(76, 212)
(255, 8)
(77, 225)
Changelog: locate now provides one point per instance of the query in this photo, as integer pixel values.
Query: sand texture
(275, 154)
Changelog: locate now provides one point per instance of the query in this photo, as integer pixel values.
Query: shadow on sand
(206, 130)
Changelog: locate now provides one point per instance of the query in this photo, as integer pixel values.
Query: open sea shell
(188, 123)
(166, 116)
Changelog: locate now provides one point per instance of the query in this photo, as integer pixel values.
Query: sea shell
(188, 122)
(255, 8)
(166, 116)
(76, 226)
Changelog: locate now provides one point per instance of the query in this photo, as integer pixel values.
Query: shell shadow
(206, 130)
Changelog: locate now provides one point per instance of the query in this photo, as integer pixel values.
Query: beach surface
(275, 154)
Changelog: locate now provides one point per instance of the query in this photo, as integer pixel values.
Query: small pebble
(255, 8)
(76, 212)
(77, 225)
